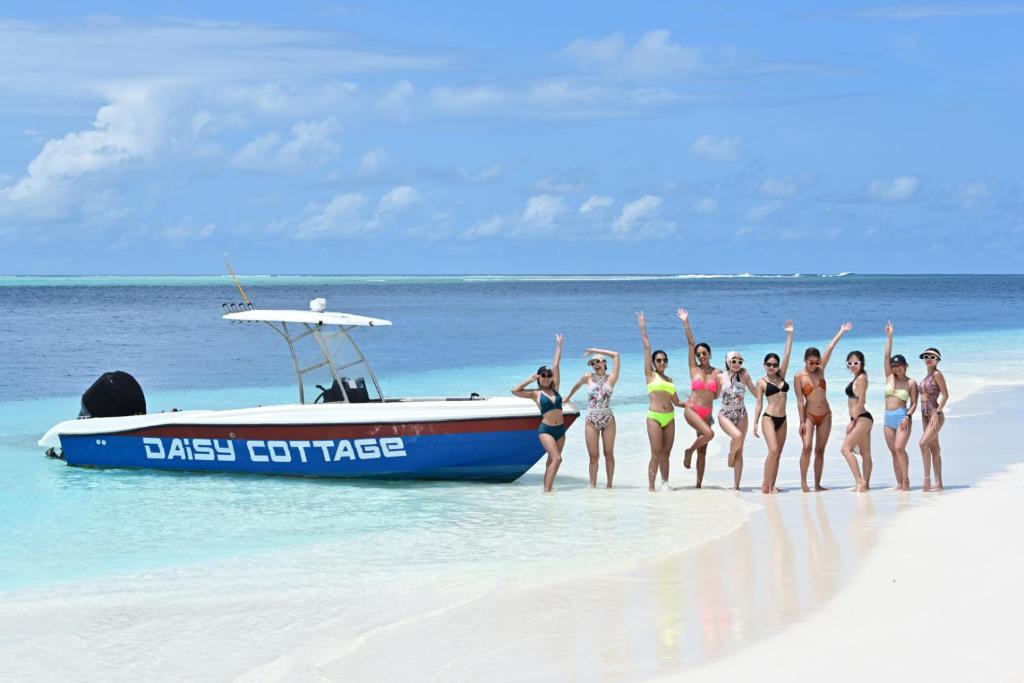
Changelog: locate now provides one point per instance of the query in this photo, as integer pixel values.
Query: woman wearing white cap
(900, 404)
(600, 428)
(934, 395)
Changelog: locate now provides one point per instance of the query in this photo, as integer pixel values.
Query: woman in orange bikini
(815, 413)
(704, 386)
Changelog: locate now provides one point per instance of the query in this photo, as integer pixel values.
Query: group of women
(903, 397)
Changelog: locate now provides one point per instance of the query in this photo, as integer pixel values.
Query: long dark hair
(859, 356)
(655, 355)
(812, 352)
(769, 356)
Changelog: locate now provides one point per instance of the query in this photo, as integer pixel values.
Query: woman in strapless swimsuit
(774, 389)
(934, 395)
(552, 424)
(600, 426)
(815, 413)
(900, 404)
(858, 431)
(704, 387)
(661, 413)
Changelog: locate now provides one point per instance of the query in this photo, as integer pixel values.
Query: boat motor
(114, 394)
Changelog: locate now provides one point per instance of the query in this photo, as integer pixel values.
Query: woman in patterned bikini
(732, 416)
(704, 386)
(900, 404)
(774, 389)
(600, 427)
(815, 413)
(934, 395)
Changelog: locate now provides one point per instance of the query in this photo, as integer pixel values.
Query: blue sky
(440, 137)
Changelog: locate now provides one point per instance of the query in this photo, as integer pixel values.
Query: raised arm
(648, 367)
(843, 329)
(558, 359)
(685, 317)
(760, 403)
(613, 377)
(521, 390)
(576, 387)
(784, 368)
(889, 329)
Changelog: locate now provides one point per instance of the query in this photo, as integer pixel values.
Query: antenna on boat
(245, 297)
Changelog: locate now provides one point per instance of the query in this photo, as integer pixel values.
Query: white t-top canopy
(310, 317)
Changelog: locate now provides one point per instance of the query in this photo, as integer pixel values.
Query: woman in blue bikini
(900, 404)
(552, 424)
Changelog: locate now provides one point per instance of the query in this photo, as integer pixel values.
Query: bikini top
(772, 389)
(901, 394)
(849, 388)
(661, 385)
(808, 387)
(700, 385)
(547, 405)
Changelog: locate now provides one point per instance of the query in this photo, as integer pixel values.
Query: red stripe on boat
(340, 431)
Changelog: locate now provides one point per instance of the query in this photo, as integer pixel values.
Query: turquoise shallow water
(452, 336)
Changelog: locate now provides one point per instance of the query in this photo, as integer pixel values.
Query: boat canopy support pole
(283, 331)
(365, 361)
(315, 331)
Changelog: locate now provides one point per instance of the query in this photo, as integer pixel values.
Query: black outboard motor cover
(114, 394)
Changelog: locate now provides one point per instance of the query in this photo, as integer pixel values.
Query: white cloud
(653, 56)
(779, 187)
(759, 212)
(374, 161)
(341, 217)
(311, 143)
(397, 101)
(897, 189)
(542, 210)
(596, 202)
(398, 198)
(715, 148)
(132, 127)
(971, 193)
(706, 205)
(488, 228)
(636, 213)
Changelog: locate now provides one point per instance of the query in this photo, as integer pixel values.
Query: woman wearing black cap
(934, 395)
(900, 404)
(552, 424)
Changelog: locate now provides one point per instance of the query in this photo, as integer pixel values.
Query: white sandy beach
(852, 584)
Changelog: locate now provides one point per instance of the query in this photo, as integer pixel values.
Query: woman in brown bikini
(815, 413)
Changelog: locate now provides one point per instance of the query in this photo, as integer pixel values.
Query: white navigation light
(318, 305)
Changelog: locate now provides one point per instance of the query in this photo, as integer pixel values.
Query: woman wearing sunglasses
(815, 413)
(661, 412)
(773, 389)
(600, 427)
(900, 404)
(858, 431)
(934, 395)
(704, 386)
(552, 424)
(732, 416)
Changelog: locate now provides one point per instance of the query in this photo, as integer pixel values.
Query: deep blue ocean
(452, 335)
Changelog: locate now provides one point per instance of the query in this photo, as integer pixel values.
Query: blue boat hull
(497, 450)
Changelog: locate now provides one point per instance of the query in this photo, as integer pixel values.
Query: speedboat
(350, 429)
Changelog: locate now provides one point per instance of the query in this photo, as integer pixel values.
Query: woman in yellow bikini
(815, 413)
(661, 413)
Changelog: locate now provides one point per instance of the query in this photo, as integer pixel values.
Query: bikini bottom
(661, 418)
(777, 421)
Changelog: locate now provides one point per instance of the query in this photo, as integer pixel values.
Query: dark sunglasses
(661, 360)
(546, 375)
(771, 365)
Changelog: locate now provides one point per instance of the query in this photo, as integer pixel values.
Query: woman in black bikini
(774, 388)
(858, 431)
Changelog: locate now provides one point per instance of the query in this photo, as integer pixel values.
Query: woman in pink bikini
(815, 413)
(704, 387)
(600, 429)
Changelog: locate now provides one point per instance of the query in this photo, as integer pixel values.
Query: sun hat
(931, 349)
(596, 357)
